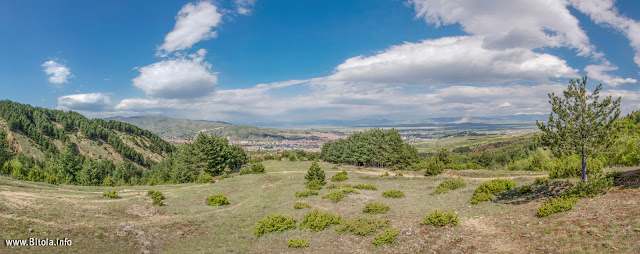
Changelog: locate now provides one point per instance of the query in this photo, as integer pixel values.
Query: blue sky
(250, 61)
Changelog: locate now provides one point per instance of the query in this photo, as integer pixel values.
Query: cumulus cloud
(58, 73)
(510, 24)
(451, 60)
(179, 78)
(84, 102)
(605, 13)
(597, 71)
(244, 6)
(194, 23)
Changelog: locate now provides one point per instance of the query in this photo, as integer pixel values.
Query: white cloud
(605, 13)
(510, 24)
(179, 78)
(451, 60)
(244, 6)
(84, 102)
(194, 23)
(598, 72)
(58, 73)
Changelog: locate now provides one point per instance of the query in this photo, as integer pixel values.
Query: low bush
(571, 166)
(110, 194)
(306, 193)
(375, 208)
(339, 177)
(596, 185)
(556, 205)
(448, 185)
(387, 236)
(300, 205)
(338, 186)
(441, 218)
(399, 175)
(350, 190)
(217, 200)
(299, 243)
(334, 167)
(315, 185)
(385, 174)
(525, 190)
(335, 196)
(319, 220)
(541, 180)
(273, 223)
(205, 178)
(435, 167)
(365, 187)
(393, 194)
(361, 226)
(156, 197)
(485, 191)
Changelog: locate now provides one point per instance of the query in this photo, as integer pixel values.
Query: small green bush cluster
(306, 193)
(393, 194)
(596, 186)
(299, 243)
(156, 197)
(217, 200)
(272, 223)
(399, 175)
(338, 186)
(556, 205)
(334, 167)
(300, 205)
(365, 187)
(541, 180)
(350, 190)
(361, 226)
(385, 174)
(374, 208)
(315, 185)
(485, 191)
(205, 178)
(319, 220)
(448, 185)
(435, 167)
(335, 196)
(571, 166)
(387, 236)
(254, 168)
(315, 177)
(110, 194)
(339, 177)
(441, 218)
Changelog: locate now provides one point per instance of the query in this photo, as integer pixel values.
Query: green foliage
(314, 185)
(319, 220)
(385, 174)
(156, 197)
(393, 194)
(338, 186)
(541, 180)
(387, 236)
(435, 167)
(108, 181)
(306, 193)
(350, 190)
(335, 196)
(274, 223)
(597, 185)
(217, 200)
(298, 243)
(365, 187)
(441, 218)
(448, 185)
(110, 194)
(375, 148)
(300, 205)
(361, 226)
(485, 191)
(580, 122)
(556, 205)
(571, 166)
(255, 168)
(375, 208)
(339, 177)
(315, 174)
(205, 178)
(400, 175)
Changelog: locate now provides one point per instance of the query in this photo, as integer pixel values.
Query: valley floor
(130, 224)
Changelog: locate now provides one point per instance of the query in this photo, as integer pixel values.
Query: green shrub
(473, 165)
(272, 223)
(299, 243)
(339, 177)
(110, 194)
(435, 167)
(556, 205)
(485, 191)
(315, 174)
(387, 236)
(571, 166)
(525, 189)
(257, 168)
(614, 175)
(374, 208)
(300, 205)
(156, 197)
(393, 194)
(306, 193)
(319, 220)
(385, 174)
(361, 226)
(448, 185)
(441, 218)
(315, 185)
(399, 175)
(205, 178)
(350, 190)
(334, 167)
(365, 187)
(108, 181)
(217, 200)
(597, 185)
(338, 186)
(335, 196)
(541, 180)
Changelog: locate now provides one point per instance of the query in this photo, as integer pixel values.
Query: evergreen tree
(315, 173)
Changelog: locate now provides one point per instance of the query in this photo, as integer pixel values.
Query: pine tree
(315, 173)
(580, 122)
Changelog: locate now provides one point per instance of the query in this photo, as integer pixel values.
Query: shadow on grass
(628, 180)
(528, 193)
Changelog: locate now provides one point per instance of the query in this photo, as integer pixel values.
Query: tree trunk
(584, 167)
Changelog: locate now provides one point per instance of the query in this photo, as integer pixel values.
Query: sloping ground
(95, 224)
